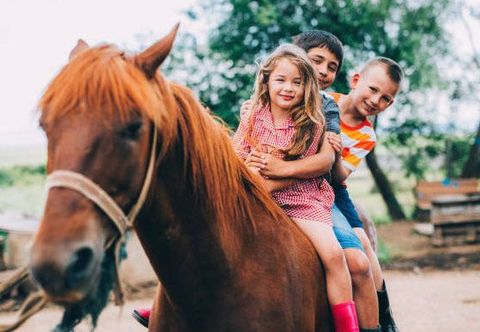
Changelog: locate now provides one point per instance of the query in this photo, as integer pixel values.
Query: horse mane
(107, 84)
(219, 176)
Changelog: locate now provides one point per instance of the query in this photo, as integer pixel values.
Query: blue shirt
(331, 113)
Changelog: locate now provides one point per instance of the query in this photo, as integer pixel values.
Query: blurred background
(428, 141)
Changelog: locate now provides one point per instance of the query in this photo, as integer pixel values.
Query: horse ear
(81, 45)
(150, 59)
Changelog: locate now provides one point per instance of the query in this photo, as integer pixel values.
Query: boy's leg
(372, 257)
(347, 208)
(364, 293)
(142, 315)
(345, 204)
(385, 312)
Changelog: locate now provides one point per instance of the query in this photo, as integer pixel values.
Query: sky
(36, 37)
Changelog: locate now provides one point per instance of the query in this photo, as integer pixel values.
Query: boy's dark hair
(393, 69)
(320, 38)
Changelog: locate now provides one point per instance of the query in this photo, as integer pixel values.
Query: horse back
(277, 284)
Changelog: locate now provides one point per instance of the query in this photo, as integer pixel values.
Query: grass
(363, 191)
(384, 252)
(22, 179)
(22, 189)
(24, 199)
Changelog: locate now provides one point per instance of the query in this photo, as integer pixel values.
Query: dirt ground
(431, 289)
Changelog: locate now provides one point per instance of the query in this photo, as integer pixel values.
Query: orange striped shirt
(357, 141)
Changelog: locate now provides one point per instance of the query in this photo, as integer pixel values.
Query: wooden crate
(455, 219)
(426, 191)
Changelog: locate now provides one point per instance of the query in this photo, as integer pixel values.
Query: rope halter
(93, 192)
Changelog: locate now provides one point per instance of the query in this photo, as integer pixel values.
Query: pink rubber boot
(345, 317)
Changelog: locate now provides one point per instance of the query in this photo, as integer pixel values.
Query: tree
(247, 30)
(244, 31)
(472, 165)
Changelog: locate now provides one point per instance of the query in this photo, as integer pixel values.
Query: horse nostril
(81, 260)
(79, 267)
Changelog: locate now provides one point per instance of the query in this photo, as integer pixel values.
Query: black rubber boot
(142, 316)
(378, 329)
(385, 313)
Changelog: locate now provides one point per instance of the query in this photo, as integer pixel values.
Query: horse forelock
(105, 83)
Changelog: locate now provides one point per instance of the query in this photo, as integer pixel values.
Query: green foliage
(422, 148)
(22, 189)
(381, 219)
(245, 31)
(416, 143)
(383, 252)
(456, 154)
(21, 175)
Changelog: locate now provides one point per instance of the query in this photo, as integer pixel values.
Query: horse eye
(131, 131)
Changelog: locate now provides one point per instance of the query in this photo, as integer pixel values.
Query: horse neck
(180, 239)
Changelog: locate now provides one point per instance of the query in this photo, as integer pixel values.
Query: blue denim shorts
(344, 232)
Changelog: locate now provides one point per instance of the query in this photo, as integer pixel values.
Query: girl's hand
(270, 166)
(335, 141)
(246, 108)
(254, 170)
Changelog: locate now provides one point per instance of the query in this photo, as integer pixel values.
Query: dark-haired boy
(326, 53)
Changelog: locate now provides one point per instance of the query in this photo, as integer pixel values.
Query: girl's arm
(306, 168)
(272, 185)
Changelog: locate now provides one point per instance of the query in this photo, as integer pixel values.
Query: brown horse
(227, 257)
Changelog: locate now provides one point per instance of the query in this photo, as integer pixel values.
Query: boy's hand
(269, 165)
(335, 141)
(246, 108)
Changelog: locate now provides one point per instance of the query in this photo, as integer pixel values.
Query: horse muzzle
(67, 276)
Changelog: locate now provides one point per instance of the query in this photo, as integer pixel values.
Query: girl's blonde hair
(308, 114)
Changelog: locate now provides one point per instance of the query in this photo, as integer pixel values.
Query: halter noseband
(92, 191)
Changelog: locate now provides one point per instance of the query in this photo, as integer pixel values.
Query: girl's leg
(339, 289)
(323, 239)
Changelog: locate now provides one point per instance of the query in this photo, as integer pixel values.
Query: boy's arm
(339, 172)
(352, 159)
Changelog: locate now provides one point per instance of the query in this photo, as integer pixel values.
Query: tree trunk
(394, 209)
(471, 169)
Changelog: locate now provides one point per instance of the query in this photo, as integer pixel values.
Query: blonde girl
(286, 121)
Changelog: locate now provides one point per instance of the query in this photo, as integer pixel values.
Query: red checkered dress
(308, 199)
